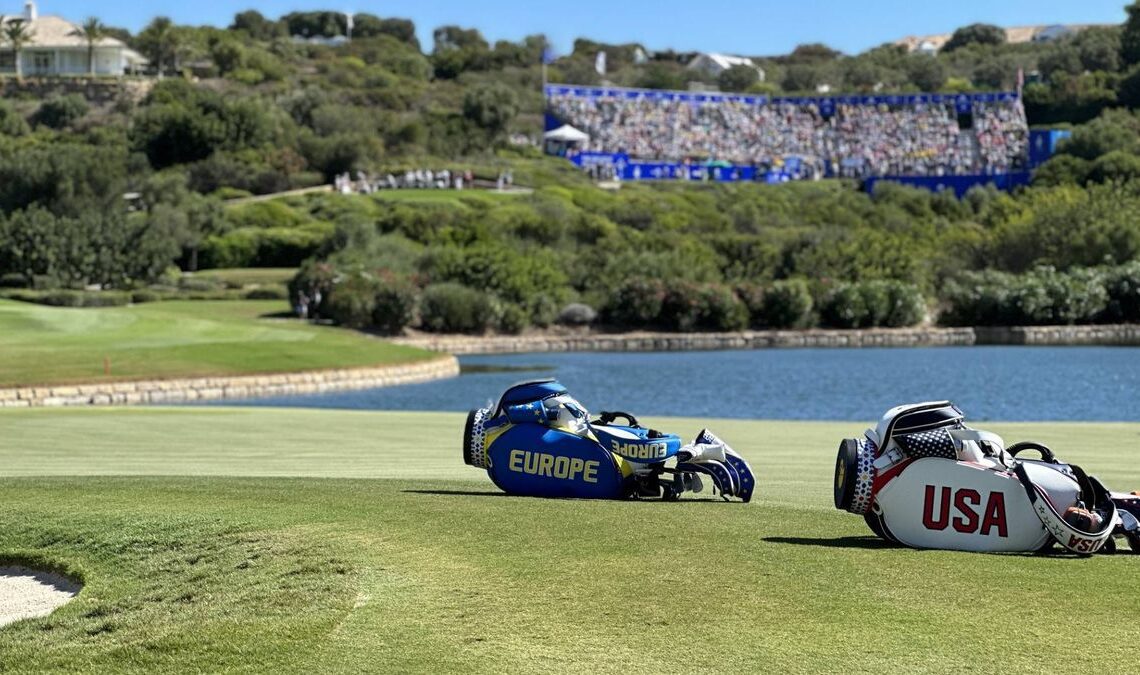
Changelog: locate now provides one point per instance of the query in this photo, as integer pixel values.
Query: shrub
(844, 307)
(68, 298)
(106, 299)
(681, 307)
(62, 111)
(720, 309)
(690, 306)
(577, 314)
(267, 293)
(876, 300)
(977, 299)
(541, 309)
(1041, 297)
(199, 284)
(452, 308)
(784, 304)
(62, 299)
(395, 305)
(265, 247)
(139, 297)
(13, 280)
(907, 306)
(870, 304)
(1046, 296)
(1123, 287)
(636, 303)
(514, 319)
(352, 300)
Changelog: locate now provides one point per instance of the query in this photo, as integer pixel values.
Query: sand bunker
(25, 593)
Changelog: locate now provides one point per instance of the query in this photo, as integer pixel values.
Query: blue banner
(1043, 143)
(622, 167)
(959, 184)
(963, 103)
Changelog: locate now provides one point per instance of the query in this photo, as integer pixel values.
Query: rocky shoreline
(215, 388)
(1123, 334)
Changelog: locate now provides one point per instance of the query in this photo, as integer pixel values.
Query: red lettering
(962, 501)
(966, 502)
(928, 520)
(995, 515)
(1080, 544)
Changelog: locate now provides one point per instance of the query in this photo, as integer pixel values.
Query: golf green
(51, 345)
(264, 539)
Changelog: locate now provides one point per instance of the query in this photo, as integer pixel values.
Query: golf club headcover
(731, 474)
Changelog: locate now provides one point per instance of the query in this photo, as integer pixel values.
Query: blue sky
(735, 26)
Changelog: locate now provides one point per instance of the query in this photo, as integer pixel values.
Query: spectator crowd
(423, 179)
(856, 141)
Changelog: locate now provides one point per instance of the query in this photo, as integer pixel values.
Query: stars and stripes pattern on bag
(933, 443)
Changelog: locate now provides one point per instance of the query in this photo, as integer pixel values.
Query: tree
(1063, 59)
(1130, 37)
(18, 34)
(662, 76)
(926, 72)
(458, 50)
(368, 25)
(257, 26)
(814, 52)
(801, 77)
(316, 24)
(492, 107)
(60, 112)
(1113, 130)
(738, 78)
(91, 31)
(160, 41)
(11, 122)
(862, 74)
(991, 74)
(188, 217)
(975, 34)
(1099, 48)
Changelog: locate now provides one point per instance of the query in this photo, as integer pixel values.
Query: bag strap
(1068, 536)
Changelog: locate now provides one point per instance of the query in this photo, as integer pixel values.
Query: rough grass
(254, 539)
(50, 345)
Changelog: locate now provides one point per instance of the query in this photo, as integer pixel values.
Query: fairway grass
(261, 539)
(50, 345)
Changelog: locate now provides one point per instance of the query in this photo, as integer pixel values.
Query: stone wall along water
(245, 386)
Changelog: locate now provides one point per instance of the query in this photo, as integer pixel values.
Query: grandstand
(666, 134)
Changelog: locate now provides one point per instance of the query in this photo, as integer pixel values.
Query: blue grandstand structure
(938, 141)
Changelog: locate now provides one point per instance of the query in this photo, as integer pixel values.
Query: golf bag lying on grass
(924, 479)
(538, 441)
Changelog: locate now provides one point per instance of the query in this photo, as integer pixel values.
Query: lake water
(989, 383)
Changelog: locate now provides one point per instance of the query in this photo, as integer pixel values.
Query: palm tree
(92, 31)
(18, 34)
(160, 42)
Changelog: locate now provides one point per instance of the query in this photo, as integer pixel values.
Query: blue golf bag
(538, 441)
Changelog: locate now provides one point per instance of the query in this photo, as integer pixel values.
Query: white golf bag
(924, 479)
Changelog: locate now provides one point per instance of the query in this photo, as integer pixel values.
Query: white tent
(566, 134)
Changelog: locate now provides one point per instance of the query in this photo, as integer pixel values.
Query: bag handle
(605, 419)
(1068, 536)
(1042, 449)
